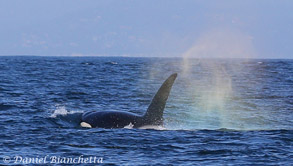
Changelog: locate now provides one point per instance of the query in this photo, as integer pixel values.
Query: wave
(62, 117)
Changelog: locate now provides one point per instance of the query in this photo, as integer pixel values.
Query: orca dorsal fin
(154, 113)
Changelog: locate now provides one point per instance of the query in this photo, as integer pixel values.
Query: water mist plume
(213, 87)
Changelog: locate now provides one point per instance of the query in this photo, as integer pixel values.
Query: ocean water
(219, 112)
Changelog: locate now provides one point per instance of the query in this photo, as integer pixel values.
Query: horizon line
(135, 56)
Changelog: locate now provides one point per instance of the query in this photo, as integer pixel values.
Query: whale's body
(117, 119)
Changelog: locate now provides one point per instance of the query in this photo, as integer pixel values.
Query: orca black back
(117, 119)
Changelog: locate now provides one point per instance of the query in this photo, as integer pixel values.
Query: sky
(164, 28)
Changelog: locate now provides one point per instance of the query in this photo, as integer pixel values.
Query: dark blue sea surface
(219, 112)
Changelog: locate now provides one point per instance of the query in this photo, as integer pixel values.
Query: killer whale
(118, 119)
